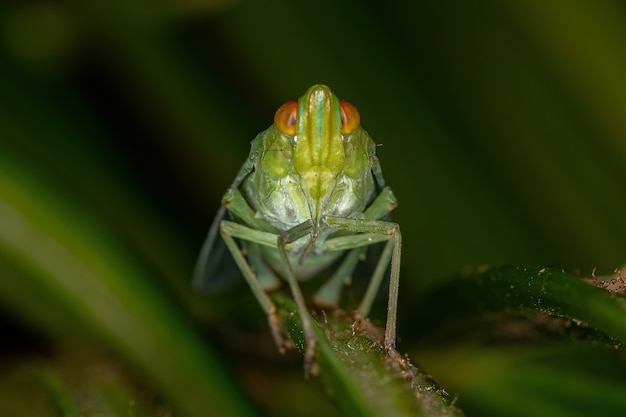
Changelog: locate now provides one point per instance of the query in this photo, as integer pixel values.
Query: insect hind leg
(328, 295)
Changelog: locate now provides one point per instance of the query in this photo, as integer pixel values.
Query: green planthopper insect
(310, 196)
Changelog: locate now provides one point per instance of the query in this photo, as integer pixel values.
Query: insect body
(310, 190)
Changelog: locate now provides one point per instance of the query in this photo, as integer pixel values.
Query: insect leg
(328, 295)
(264, 274)
(376, 280)
(384, 203)
(290, 236)
(369, 232)
(228, 230)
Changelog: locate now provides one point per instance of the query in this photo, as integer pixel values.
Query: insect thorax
(279, 195)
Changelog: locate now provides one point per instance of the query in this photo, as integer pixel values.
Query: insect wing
(215, 268)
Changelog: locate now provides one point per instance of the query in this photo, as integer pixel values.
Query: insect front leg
(369, 232)
(329, 294)
(230, 230)
(265, 275)
(285, 238)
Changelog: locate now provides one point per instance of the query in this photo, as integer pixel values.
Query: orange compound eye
(286, 117)
(350, 118)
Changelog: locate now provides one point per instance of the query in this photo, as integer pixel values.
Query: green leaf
(528, 289)
(358, 373)
(559, 380)
(525, 340)
(62, 266)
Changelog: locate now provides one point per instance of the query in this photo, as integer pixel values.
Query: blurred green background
(122, 122)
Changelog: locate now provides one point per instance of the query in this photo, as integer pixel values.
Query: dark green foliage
(121, 123)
